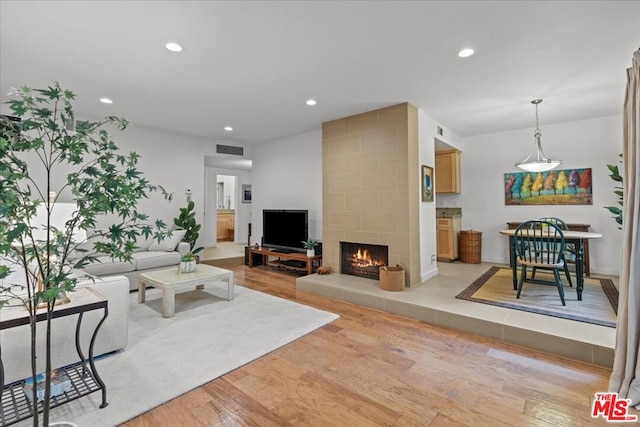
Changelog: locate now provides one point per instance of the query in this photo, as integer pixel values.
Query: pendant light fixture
(537, 161)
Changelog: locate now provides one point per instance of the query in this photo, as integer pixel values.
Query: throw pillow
(143, 243)
(169, 243)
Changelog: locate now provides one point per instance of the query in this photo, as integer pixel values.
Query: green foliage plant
(309, 244)
(188, 257)
(617, 211)
(84, 162)
(187, 221)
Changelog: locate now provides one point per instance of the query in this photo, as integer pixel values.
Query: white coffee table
(171, 281)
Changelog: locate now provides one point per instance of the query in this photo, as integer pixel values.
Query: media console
(297, 261)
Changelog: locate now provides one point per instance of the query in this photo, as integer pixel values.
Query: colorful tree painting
(559, 187)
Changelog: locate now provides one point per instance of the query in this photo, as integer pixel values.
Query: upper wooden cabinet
(447, 171)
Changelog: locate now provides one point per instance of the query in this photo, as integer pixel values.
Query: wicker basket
(392, 278)
(470, 246)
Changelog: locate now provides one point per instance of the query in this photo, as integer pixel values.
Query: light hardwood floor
(370, 368)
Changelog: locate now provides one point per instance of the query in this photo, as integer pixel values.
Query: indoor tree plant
(187, 221)
(84, 163)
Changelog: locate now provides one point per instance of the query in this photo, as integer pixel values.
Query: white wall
(427, 129)
(583, 144)
(171, 160)
(428, 133)
(287, 174)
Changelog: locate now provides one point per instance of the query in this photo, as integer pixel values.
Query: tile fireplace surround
(370, 185)
(434, 302)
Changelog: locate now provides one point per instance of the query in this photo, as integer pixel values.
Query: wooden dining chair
(540, 244)
(564, 227)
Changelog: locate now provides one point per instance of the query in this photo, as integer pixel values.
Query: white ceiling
(252, 65)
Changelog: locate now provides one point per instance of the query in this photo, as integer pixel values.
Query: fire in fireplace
(363, 259)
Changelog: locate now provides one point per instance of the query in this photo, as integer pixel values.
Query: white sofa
(114, 280)
(16, 342)
(149, 255)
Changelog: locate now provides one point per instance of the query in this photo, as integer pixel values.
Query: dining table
(577, 238)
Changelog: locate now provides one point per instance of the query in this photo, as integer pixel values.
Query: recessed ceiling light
(466, 52)
(173, 47)
(311, 102)
(106, 101)
(228, 128)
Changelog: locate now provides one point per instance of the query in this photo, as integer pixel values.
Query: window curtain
(625, 378)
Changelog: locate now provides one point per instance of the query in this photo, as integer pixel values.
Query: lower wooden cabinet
(225, 229)
(447, 230)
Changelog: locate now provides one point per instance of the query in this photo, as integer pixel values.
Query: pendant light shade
(537, 161)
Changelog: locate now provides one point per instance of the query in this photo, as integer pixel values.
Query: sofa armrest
(183, 248)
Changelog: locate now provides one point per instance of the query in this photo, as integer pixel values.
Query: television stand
(283, 251)
(305, 263)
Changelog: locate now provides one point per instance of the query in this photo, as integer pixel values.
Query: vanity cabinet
(225, 228)
(447, 230)
(447, 171)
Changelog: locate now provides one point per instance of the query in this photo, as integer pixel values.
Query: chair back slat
(557, 221)
(540, 242)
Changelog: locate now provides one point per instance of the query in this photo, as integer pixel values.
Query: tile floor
(434, 302)
(223, 250)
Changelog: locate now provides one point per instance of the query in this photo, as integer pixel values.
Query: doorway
(226, 189)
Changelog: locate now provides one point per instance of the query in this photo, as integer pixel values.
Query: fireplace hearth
(363, 259)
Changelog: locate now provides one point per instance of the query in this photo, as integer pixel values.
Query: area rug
(208, 337)
(599, 303)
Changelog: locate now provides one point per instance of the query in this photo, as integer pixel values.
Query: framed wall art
(554, 187)
(427, 183)
(246, 193)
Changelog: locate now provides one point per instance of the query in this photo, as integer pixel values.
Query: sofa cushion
(169, 243)
(155, 259)
(104, 266)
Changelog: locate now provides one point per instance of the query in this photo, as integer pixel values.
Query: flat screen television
(284, 228)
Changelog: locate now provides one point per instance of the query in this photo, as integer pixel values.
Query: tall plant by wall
(100, 179)
(187, 221)
(617, 211)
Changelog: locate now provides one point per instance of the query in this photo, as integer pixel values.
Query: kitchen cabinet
(447, 230)
(447, 171)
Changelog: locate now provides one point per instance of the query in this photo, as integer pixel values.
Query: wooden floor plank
(374, 368)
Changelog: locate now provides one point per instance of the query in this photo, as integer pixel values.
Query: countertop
(448, 212)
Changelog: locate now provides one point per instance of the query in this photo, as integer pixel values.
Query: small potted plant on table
(188, 263)
(310, 246)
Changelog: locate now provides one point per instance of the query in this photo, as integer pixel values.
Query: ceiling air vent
(229, 149)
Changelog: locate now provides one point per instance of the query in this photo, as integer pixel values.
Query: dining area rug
(599, 303)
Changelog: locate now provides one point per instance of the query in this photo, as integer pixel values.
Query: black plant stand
(83, 375)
